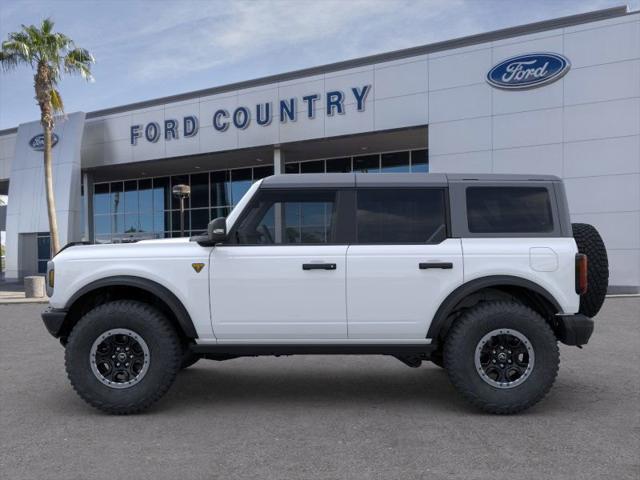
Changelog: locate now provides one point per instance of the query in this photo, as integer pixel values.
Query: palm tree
(49, 54)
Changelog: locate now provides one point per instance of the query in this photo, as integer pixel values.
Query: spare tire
(590, 243)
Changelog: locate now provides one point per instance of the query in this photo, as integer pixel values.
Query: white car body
(376, 293)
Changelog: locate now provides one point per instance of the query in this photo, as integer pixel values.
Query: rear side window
(509, 210)
(401, 215)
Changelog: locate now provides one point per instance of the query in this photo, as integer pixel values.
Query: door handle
(442, 265)
(318, 266)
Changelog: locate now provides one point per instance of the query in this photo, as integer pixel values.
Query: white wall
(7, 150)
(397, 99)
(584, 127)
(27, 208)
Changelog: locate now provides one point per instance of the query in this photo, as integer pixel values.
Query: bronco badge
(197, 267)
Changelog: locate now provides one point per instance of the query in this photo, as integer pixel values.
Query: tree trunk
(43, 86)
(51, 201)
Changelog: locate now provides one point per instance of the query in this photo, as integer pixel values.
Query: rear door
(283, 273)
(402, 265)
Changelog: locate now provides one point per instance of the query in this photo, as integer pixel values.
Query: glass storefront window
(145, 195)
(316, 166)
(261, 172)
(131, 203)
(199, 218)
(200, 190)
(161, 222)
(116, 198)
(44, 251)
(367, 164)
(101, 198)
(292, 168)
(339, 165)
(175, 221)
(220, 189)
(240, 183)
(420, 161)
(102, 224)
(397, 162)
(161, 194)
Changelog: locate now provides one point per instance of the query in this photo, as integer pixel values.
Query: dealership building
(557, 97)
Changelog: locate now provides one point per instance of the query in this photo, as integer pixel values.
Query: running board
(248, 350)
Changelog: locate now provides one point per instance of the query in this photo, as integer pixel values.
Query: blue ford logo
(37, 142)
(528, 71)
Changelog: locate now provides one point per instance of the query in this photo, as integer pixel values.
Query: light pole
(182, 192)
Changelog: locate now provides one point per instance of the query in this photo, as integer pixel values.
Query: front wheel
(502, 357)
(122, 356)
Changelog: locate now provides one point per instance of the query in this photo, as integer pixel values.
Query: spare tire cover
(590, 243)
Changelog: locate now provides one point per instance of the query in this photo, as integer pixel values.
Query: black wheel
(502, 357)
(590, 243)
(122, 356)
(188, 358)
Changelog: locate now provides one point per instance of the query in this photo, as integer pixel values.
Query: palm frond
(79, 61)
(47, 26)
(9, 61)
(56, 101)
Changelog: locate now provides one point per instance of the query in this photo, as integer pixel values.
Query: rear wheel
(502, 357)
(122, 356)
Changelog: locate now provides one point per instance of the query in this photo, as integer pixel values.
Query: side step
(253, 350)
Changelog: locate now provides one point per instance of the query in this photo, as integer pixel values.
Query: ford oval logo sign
(528, 71)
(37, 142)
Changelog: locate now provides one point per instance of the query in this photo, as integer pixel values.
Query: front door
(282, 274)
(402, 265)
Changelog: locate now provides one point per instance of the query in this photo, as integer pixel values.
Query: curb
(17, 301)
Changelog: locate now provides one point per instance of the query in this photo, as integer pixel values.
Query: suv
(479, 274)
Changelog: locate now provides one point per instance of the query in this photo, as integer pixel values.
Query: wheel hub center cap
(502, 357)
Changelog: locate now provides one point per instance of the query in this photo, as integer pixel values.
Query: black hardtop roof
(345, 180)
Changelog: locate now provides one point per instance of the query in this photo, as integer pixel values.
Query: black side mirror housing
(217, 230)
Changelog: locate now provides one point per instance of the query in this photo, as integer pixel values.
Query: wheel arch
(525, 290)
(135, 288)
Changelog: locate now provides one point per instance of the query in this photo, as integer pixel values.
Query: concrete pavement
(322, 417)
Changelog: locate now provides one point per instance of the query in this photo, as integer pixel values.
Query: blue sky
(149, 49)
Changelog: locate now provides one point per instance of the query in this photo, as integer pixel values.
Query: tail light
(581, 274)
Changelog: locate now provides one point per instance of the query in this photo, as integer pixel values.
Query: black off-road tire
(590, 243)
(165, 355)
(464, 337)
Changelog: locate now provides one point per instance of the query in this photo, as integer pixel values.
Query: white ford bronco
(479, 274)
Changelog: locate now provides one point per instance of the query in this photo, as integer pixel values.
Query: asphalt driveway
(345, 417)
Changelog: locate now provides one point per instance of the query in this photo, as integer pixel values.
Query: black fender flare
(440, 319)
(150, 286)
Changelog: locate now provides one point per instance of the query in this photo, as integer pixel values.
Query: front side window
(401, 216)
(289, 218)
(509, 210)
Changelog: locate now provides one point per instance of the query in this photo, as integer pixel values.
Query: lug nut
(113, 356)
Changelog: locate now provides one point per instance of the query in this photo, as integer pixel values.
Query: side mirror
(217, 230)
